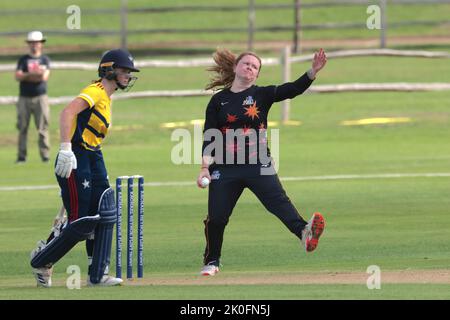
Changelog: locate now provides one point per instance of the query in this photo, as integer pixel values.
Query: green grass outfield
(242, 292)
(398, 224)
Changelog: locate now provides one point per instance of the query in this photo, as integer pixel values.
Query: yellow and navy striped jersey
(91, 125)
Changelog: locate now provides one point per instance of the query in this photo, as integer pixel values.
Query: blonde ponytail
(224, 74)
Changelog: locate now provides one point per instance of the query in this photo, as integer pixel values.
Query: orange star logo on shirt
(246, 130)
(224, 129)
(253, 154)
(233, 147)
(231, 118)
(252, 111)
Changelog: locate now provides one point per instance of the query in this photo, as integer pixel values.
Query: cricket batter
(82, 176)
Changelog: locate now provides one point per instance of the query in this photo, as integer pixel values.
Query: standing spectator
(32, 72)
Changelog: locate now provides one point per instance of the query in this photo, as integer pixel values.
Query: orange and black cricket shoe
(312, 232)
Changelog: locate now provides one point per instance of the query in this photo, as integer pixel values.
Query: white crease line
(27, 188)
(310, 178)
(368, 176)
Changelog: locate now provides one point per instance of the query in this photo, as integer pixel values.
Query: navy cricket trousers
(81, 192)
(227, 184)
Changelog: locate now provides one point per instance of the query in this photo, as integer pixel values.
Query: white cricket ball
(204, 182)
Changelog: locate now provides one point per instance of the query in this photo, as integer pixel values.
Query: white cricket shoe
(312, 232)
(209, 270)
(106, 281)
(43, 275)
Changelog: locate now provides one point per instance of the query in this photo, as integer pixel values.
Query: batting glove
(65, 161)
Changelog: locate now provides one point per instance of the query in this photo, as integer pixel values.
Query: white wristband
(311, 74)
(67, 146)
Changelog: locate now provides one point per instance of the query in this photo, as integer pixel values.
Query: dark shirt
(242, 120)
(26, 63)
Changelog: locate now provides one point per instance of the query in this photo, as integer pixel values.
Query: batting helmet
(112, 59)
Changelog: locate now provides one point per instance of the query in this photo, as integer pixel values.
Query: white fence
(204, 62)
(285, 61)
